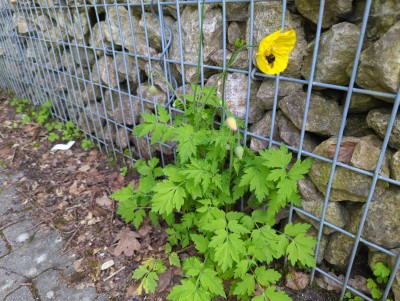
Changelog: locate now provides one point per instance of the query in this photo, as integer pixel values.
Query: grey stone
(100, 38)
(322, 245)
(51, 286)
(105, 70)
(395, 166)
(379, 66)
(236, 96)
(126, 69)
(382, 225)
(9, 200)
(267, 90)
(237, 11)
(324, 116)
(340, 245)
(291, 134)
(337, 50)
(361, 103)
(9, 282)
(263, 128)
(151, 24)
(3, 247)
(23, 293)
(20, 233)
(42, 253)
(313, 202)
(95, 119)
(24, 26)
(267, 20)
(212, 38)
(382, 15)
(127, 109)
(143, 149)
(357, 126)
(333, 10)
(378, 120)
(364, 156)
(236, 31)
(150, 100)
(120, 139)
(241, 61)
(82, 55)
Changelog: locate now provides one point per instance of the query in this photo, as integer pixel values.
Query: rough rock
(382, 225)
(24, 26)
(106, 71)
(323, 243)
(267, 20)
(382, 15)
(291, 134)
(395, 166)
(236, 96)
(120, 141)
(241, 61)
(357, 126)
(336, 51)
(83, 56)
(340, 245)
(378, 120)
(267, 89)
(124, 109)
(323, 118)
(212, 39)
(313, 202)
(94, 121)
(263, 128)
(237, 11)
(358, 152)
(361, 103)
(236, 31)
(150, 100)
(333, 10)
(101, 38)
(379, 67)
(126, 68)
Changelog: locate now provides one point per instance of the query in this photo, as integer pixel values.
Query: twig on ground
(69, 242)
(115, 273)
(12, 223)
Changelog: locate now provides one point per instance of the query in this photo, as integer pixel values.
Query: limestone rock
(101, 37)
(395, 166)
(359, 152)
(68, 63)
(291, 134)
(236, 31)
(212, 38)
(340, 245)
(106, 71)
(323, 118)
(333, 10)
(313, 202)
(241, 61)
(119, 138)
(382, 15)
(323, 243)
(379, 67)
(361, 103)
(357, 126)
(151, 100)
(236, 96)
(82, 55)
(24, 26)
(263, 128)
(94, 121)
(126, 68)
(382, 225)
(336, 51)
(267, 20)
(267, 89)
(378, 120)
(125, 109)
(237, 11)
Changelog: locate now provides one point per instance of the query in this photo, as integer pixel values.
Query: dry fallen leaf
(127, 243)
(329, 284)
(106, 265)
(346, 151)
(84, 168)
(104, 202)
(297, 280)
(164, 280)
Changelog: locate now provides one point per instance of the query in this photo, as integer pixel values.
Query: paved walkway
(32, 266)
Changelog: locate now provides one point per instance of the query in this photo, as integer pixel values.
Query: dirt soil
(70, 189)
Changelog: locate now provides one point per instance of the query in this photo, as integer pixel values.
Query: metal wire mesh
(94, 64)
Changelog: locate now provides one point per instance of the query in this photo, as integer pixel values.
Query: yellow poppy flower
(273, 51)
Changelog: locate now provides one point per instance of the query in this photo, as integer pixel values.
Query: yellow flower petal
(273, 51)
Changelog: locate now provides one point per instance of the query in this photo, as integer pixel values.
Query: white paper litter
(62, 146)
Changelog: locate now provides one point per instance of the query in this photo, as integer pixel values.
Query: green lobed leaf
(300, 249)
(274, 295)
(168, 197)
(173, 259)
(212, 283)
(200, 242)
(188, 291)
(246, 286)
(192, 266)
(266, 277)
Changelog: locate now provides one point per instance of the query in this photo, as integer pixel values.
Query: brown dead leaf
(84, 168)
(104, 202)
(359, 283)
(164, 280)
(329, 284)
(346, 151)
(127, 243)
(297, 280)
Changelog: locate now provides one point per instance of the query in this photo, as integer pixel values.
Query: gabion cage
(95, 60)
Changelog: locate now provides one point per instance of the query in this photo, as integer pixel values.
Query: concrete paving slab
(21, 294)
(51, 287)
(21, 233)
(3, 247)
(42, 253)
(9, 282)
(9, 200)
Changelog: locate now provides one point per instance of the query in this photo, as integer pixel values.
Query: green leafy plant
(198, 198)
(87, 144)
(381, 272)
(350, 297)
(123, 171)
(148, 273)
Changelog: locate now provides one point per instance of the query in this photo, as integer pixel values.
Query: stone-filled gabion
(99, 61)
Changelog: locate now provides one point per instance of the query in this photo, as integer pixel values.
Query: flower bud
(239, 152)
(153, 90)
(231, 123)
